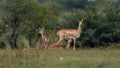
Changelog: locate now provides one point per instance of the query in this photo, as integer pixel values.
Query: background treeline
(19, 20)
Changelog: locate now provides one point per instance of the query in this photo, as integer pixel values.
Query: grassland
(82, 58)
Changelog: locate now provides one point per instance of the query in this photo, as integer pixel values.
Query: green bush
(2, 45)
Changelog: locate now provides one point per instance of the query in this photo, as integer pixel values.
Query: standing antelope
(70, 34)
(45, 38)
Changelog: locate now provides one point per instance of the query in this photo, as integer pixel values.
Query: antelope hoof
(73, 49)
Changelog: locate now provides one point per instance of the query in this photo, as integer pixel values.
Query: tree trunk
(13, 40)
(29, 38)
(14, 35)
(30, 42)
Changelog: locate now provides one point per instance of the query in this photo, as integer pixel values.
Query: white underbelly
(47, 40)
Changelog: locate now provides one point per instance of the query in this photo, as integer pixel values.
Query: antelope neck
(42, 34)
(78, 30)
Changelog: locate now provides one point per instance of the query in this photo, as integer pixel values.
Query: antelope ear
(82, 20)
(36, 30)
(39, 28)
(42, 28)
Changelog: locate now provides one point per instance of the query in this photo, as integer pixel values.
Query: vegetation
(20, 19)
(83, 58)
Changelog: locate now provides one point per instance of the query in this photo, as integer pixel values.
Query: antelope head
(80, 22)
(41, 30)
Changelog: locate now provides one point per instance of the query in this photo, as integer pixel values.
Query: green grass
(82, 58)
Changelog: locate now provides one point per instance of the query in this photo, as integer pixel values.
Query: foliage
(50, 13)
(101, 25)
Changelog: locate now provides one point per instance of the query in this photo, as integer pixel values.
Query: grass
(82, 58)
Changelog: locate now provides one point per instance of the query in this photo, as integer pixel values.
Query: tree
(24, 17)
(14, 14)
(70, 4)
(50, 13)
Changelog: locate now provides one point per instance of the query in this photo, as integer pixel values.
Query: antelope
(70, 34)
(45, 38)
(57, 46)
(60, 46)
